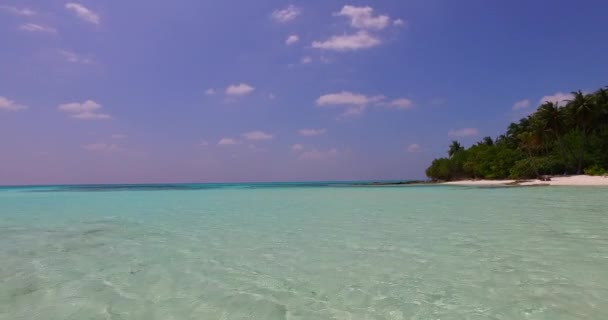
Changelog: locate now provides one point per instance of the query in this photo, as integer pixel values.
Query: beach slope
(580, 180)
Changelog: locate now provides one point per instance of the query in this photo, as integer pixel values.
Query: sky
(235, 91)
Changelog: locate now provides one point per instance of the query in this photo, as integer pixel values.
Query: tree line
(567, 137)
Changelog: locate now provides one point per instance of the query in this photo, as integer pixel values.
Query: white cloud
(287, 14)
(292, 39)
(412, 148)
(359, 102)
(203, 143)
(20, 12)
(10, 105)
(297, 147)
(210, 92)
(83, 12)
(402, 103)
(523, 104)
(363, 18)
(347, 98)
(76, 107)
(351, 42)
(559, 98)
(101, 147)
(73, 57)
(87, 110)
(306, 60)
(257, 135)
(318, 154)
(32, 27)
(312, 132)
(352, 112)
(227, 142)
(399, 22)
(239, 89)
(91, 116)
(119, 136)
(465, 132)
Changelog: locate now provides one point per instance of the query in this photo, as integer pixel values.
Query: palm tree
(600, 99)
(455, 147)
(529, 143)
(583, 114)
(486, 141)
(551, 115)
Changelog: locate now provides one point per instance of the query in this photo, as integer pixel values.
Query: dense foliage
(559, 138)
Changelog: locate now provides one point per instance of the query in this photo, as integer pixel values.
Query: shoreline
(578, 180)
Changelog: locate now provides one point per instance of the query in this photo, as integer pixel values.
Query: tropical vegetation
(567, 137)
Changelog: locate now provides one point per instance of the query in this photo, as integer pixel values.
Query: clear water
(299, 251)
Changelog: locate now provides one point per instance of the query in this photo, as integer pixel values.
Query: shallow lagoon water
(299, 251)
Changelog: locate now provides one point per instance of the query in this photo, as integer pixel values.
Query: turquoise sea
(303, 251)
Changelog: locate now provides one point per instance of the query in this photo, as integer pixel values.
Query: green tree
(455, 147)
(555, 138)
(440, 169)
(583, 114)
(552, 117)
(486, 141)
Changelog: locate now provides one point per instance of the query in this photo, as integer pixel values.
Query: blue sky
(201, 91)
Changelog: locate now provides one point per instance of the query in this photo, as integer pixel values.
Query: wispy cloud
(306, 60)
(18, 11)
(312, 132)
(352, 112)
(87, 110)
(239, 89)
(228, 142)
(101, 147)
(210, 91)
(399, 22)
(559, 97)
(523, 104)
(91, 116)
(413, 148)
(83, 12)
(363, 18)
(297, 147)
(285, 15)
(10, 105)
(257, 135)
(73, 57)
(465, 132)
(292, 39)
(32, 27)
(402, 103)
(351, 42)
(315, 154)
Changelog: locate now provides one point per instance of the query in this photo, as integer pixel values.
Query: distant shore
(580, 180)
(393, 183)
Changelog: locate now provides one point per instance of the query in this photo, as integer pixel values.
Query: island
(561, 143)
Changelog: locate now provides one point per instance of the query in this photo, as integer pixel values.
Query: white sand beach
(580, 180)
